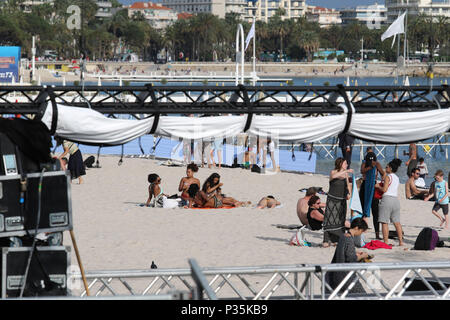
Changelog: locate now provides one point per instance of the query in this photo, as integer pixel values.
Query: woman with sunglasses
(155, 192)
(315, 213)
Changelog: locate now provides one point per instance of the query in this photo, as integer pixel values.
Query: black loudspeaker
(10, 157)
(19, 210)
(47, 273)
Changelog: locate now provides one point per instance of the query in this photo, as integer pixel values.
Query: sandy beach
(114, 233)
(264, 70)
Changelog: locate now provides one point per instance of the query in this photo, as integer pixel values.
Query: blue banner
(9, 64)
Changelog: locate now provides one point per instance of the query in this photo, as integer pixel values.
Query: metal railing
(305, 282)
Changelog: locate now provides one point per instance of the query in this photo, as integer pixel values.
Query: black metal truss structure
(210, 100)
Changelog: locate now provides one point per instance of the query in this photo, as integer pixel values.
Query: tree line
(203, 36)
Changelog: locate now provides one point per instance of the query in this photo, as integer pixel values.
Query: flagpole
(405, 39)
(254, 52)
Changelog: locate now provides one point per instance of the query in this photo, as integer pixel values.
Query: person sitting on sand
(155, 192)
(411, 190)
(187, 181)
(212, 189)
(315, 213)
(196, 198)
(268, 202)
(302, 205)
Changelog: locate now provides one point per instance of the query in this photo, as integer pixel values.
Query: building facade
(157, 15)
(325, 17)
(216, 7)
(104, 10)
(373, 16)
(264, 9)
(416, 7)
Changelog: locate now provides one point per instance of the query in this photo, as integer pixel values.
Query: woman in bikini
(212, 190)
(187, 181)
(155, 192)
(268, 202)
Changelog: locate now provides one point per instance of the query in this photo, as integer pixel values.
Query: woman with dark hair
(187, 181)
(196, 198)
(389, 209)
(315, 213)
(155, 192)
(336, 206)
(212, 189)
(346, 253)
(370, 168)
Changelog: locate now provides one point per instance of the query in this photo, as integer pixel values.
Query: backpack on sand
(89, 161)
(428, 239)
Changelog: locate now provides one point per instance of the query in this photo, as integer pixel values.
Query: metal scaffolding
(209, 100)
(382, 281)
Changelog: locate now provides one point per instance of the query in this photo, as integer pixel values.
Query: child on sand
(441, 194)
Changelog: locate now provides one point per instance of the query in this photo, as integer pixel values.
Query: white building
(157, 15)
(325, 17)
(374, 16)
(264, 9)
(216, 7)
(416, 7)
(104, 9)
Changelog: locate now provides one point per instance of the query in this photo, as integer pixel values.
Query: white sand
(113, 232)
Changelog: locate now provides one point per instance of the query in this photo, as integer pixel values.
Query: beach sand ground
(114, 233)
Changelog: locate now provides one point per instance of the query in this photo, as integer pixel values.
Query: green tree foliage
(202, 37)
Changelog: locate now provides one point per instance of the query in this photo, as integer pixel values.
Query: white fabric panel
(201, 128)
(89, 126)
(400, 127)
(306, 130)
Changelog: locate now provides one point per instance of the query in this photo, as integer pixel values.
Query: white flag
(398, 26)
(250, 35)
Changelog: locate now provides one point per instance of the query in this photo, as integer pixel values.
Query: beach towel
(355, 202)
(369, 190)
(377, 244)
(212, 208)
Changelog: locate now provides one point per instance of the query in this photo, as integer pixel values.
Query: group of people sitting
(193, 195)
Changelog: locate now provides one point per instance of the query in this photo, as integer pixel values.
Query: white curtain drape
(89, 126)
(400, 127)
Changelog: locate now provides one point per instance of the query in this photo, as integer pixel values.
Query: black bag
(256, 168)
(427, 239)
(89, 161)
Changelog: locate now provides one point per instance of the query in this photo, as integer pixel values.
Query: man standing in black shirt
(346, 145)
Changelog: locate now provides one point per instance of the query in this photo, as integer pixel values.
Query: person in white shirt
(423, 168)
(389, 209)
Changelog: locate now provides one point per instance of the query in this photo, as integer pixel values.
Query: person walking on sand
(389, 209)
(442, 197)
(336, 206)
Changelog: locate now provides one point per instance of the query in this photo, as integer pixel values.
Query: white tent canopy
(91, 127)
